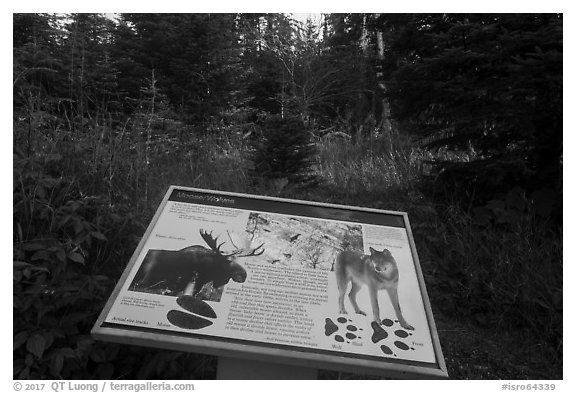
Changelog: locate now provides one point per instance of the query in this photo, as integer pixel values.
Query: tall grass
(368, 168)
(509, 278)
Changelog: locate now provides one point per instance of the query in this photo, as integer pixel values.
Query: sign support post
(234, 368)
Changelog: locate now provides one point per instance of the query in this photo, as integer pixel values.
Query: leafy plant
(58, 238)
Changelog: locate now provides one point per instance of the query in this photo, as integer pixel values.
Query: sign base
(234, 369)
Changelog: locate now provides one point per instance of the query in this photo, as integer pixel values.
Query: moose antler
(255, 251)
(211, 241)
(242, 251)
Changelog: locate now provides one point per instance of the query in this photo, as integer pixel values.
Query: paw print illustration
(350, 331)
(380, 333)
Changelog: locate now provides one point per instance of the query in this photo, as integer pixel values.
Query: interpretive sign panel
(302, 283)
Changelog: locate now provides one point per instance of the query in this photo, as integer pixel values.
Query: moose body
(178, 269)
(377, 271)
(189, 269)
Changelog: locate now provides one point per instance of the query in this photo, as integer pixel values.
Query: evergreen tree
(92, 74)
(350, 48)
(284, 151)
(490, 83)
(37, 76)
(196, 57)
(267, 79)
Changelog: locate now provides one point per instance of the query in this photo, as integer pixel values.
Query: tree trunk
(385, 116)
(149, 133)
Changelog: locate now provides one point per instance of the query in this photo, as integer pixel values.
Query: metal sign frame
(264, 352)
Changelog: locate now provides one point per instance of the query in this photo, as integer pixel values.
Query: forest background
(453, 118)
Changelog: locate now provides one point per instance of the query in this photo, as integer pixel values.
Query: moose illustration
(187, 270)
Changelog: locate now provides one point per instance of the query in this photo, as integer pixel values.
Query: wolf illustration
(377, 271)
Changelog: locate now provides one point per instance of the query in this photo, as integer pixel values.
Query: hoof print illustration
(197, 306)
(339, 338)
(386, 350)
(187, 321)
(379, 333)
(387, 322)
(401, 333)
(330, 327)
(401, 345)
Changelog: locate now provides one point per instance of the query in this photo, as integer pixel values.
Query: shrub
(61, 277)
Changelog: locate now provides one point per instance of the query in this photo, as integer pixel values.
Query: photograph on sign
(213, 267)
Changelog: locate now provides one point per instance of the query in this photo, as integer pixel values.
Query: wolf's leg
(353, 291)
(374, 301)
(342, 283)
(393, 293)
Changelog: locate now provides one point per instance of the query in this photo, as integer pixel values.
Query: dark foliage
(56, 293)
(490, 84)
(284, 151)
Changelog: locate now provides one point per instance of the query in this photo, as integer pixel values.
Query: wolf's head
(384, 264)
